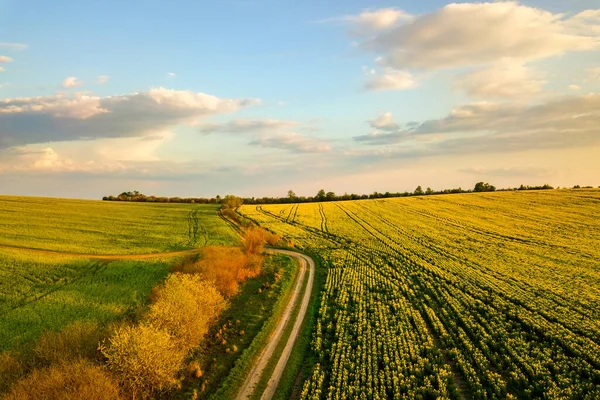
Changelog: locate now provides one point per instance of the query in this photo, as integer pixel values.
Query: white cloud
(48, 160)
(384, 122)
(5, 59)
(13, 46)
(504, 80)
(574, 87)
(293, 142)
(370, 21)
(102, 79)
(171, 74)
(566, 122)
(389, 79)
(71, 82)
(75, 117)
(248, 126)
(1, 69)
(473, 34)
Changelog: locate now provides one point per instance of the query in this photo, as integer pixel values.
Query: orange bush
(77, 379)
(11, 369)
(254, 240)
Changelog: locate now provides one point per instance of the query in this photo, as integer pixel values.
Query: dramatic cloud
(294, 143)
(389, 79)
(504, 80)
(102, 79)
(75, 117)
(562, 123)
(248, 126)
(71, 82)
(384, 122)
(13, 46)
(473, 34)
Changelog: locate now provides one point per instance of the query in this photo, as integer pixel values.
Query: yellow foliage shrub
(77, 340)
(144, 359)
(184, 306)
(77, 379)
(254, 240)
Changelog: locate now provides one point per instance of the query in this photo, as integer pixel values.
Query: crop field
(493, 295)
(96, 227)
(40, 291)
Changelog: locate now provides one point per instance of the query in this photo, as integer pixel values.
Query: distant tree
(232, 201)
(320, 195)
(576, 187)
(429, 191)
(419, 191)
(291, 195)
(330, 196)
(484, 187)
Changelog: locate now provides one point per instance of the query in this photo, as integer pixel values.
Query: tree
(232, 201)
(419, 191)
(330, 196)
(484, 187)
(291, 195)
(320, 195)
(429, 191)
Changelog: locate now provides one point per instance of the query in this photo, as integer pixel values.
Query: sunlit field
(458, 296)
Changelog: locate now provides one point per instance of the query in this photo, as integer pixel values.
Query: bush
(144, 359)
(184, 306)
(78, 379)
(225, 267)
(77, 340)
(11, 369)
(272, 239)
(254, 240)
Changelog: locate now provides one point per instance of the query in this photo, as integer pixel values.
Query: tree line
(321, 195)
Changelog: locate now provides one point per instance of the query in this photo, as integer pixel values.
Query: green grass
(252, 313)
(40, 291)
(97, 227)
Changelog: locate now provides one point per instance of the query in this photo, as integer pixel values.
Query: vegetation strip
(266, 355)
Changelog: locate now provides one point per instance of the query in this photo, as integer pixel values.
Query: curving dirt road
(268, 352)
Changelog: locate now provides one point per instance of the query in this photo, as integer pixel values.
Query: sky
(257, 97)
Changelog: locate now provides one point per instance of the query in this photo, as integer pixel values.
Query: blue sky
(257, 97)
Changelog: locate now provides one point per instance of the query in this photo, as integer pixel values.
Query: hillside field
(48, 291)
(493, 295)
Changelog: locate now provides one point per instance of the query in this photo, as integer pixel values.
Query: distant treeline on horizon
(322, 195)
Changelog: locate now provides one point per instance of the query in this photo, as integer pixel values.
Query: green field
(40, 291)
(96, 227)
(493, 295)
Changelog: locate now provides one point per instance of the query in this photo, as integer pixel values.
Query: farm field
(48, 291)
(97, 227)
(493, 295)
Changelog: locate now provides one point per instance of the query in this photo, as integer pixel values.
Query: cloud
(102, 79)
(171, 74)
(384, 122)
(594, 73)
(508, 171)
(370, 21)
(248, 126)
(565, 122)
(504, 80)
(48, 160)
(574, 87)
(474, 34)
(71, 82)
(389, 79)
(1, 69)
(5, 60)
(294, 143)
(13, 46)
(77, 117)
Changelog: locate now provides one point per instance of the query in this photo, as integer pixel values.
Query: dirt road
(268, 352)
